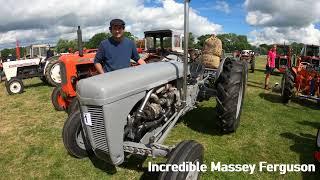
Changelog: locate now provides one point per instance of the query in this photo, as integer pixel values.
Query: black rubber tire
(51, 62)
(54, 99)
(287, 86)
(231, 85)
(73, 106)
(185, 151)
(253, 65)
(43, 79)
(71, 128)
(318, 139)
(10, 82)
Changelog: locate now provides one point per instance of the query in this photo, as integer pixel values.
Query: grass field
(31, 143)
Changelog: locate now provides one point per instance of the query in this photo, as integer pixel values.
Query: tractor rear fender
(220, 69)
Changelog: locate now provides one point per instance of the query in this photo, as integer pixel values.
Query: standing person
(50, 53)
(270, 65)
(115, 52)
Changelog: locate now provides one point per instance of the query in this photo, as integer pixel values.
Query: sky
(263, 21)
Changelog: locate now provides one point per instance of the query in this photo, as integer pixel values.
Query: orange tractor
(303, 80)
(284, 57)
(73, 67)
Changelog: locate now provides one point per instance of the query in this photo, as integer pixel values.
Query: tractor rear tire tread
(228, 93)
(288, 91)
(52, 61)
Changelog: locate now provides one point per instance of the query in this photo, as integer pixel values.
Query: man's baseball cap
(117, 22)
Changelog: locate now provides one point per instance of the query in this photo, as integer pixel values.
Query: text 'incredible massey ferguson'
(131, 111)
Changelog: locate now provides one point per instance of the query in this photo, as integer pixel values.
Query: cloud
(36, 21)
(271, 35)
(222, 6)
(219, 5)
(289, 20)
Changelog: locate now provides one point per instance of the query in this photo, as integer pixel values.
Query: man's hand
(142, 60)
(99, 68)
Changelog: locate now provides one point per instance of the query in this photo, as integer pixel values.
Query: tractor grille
(98, 129)
(63, 73)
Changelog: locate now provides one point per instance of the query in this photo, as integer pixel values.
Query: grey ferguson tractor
(131, 111)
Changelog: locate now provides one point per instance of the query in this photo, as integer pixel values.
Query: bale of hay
(211, 61)
(212, 52)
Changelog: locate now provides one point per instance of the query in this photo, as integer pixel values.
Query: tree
(95, 41)
(296, 47)
(230, 42)
(201, 40)
(130, 36)
(191, 42)
(5, 52)
(64, 45)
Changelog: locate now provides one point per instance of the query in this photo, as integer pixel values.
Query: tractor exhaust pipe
(186, 43)
(80, 45)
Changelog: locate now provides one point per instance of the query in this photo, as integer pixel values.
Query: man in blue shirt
(116, 51)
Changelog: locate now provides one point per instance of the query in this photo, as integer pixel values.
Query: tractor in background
(249, 57)
(303, 80)
(284, 58)
(72, 67)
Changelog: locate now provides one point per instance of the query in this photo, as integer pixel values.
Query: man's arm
(98, 59)
(135, 55)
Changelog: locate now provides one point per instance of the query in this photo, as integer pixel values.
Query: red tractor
(73, 67)
(283, 58)
(303, 80)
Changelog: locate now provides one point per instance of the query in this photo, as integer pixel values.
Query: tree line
(230, 42)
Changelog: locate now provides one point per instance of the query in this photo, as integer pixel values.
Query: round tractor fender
(220, 69)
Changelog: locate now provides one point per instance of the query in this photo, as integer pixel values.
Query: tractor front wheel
(287, 86)
(14, 86)
(72, 136)
(186, 151)
(231, 85)
(57, 100)
(73, 106)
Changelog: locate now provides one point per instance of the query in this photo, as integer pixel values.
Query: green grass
(31, 144)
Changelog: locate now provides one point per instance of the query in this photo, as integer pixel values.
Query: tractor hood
(112, 86)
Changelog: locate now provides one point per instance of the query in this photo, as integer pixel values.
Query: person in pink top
(270, 64)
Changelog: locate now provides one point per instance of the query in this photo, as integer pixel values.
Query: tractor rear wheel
(57, 100)
(14, 86)
(287, 86)
(185, 151)
(72, 136)
(52, 71)
(231, 85)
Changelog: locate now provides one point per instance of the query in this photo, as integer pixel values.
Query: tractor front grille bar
(98, 128)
